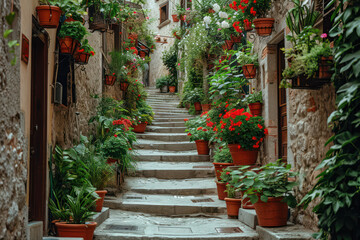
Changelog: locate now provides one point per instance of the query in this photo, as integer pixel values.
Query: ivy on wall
(338, 186)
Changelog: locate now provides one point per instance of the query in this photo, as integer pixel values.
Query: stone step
(173, 110)
(167, 107)
(175, 119)
(289, 232)
(170, 156)
(124, 225)
(162, 145)
(166, 205)
(174, 170)
(170, 137)
(165, 129)
(192, 186)
(169, 124)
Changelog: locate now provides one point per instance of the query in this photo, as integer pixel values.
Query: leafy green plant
(225, 176)
(245, 56)
(86, 47)
(173, 81)
(195, 95)
(162, 82)
(254, 98)
(119, 64)
(257, 8)
(197, 129)
(222, 155)
(116, 147)
(74, 30)
(13, 43)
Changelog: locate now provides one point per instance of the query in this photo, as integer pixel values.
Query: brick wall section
(13, 167)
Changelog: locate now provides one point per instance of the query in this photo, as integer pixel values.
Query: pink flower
(188, 9)
(324, 35)
(178, 64)
(219, 29)
(147, 18)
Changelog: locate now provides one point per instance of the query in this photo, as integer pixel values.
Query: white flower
(207, 19)
(225, 24)
(216, 7)
(223, 15)
(218, 23)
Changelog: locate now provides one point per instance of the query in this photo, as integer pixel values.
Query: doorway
(38, 126)
(282, 105)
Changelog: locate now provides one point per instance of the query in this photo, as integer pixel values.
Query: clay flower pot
(85, 231)
(249, 70)
(228, 45)
(140, 128)
(325, 67)
(206, 107)
(264, 26)
(219, 168)
(202, 147)
(242, 157)
(255, 108)
(82, 58)
(124, 86)
(232, 207)
(110, 80)
(49, 16)
(272, 213)
(172, 89)
(175, 18)
(221, 187)
(236, 39)
(100, 202)
(68, 45)
(197, 106)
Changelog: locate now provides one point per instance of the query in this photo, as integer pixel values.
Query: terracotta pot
(246, 203)
(242, 157)
(249, 70)
(248, 27)
(158, 40)
(232, 206)
(197, 106)
(82, 58)
(175, 18)
(142, 54)
(236, 39)
(100, 202)
(110, 80)
(202, 147)
(172, 89)
(85, 231)
(124, 86)
(49, 16)
(206, 107)
(272, 213)
(221, 187)
(68, 45)
(325, 67)
(228, 45)
(140, 128)
(264, 26)
(219, 168)
(255, 108)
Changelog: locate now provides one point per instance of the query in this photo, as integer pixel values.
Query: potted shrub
(83, 53)
(222, 159)
(115, 146)
(248, 61)
(270, 190)
(205, 103)
(199, 133)
(74, 213)
(221, 184)
(195, 97)
(49, 13)
(124, 84)
(232, 202)
(259, 8)
(70, 35)
(172, 84)
(162, 83)
(180, 14)
(254, 101)
(243, 133)
(119, 68)
(141, 119)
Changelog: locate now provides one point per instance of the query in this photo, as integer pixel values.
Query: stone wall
(13, 147)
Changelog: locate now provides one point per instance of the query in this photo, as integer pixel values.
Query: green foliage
(116, 147)
(245, 56)
(197, 129)
(87, 47)
(337, 192)
(222, 155)
(74, 30)
(194, 96)
(119, 64)
(261, 7)
(13, 43)
(162, 82)
(254, 97)
(170, 59)
(225, 176)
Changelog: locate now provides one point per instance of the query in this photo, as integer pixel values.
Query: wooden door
(282, 113)
(38, 128)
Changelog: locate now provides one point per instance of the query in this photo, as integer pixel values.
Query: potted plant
(221, 184)
(222, 159)
(110, 79)
(162, 83)
(199, 133)
(248, 61)
(254, 101)
(243, 133)
(270, 190)
(97, 12)
(205, 103)
(233, 203)
(115, 146)
(259, 9)
(83, 53)
(180, 14)
(70, 35)
(74, 213)
(195, 97)
(141, 119)
(49, 13)
(172, 84)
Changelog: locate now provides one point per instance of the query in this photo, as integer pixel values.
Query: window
(164, 12)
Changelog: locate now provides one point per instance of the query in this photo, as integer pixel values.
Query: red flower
(256, 146)
(260, 127)
(254, 138)
(266, 131)
(239, 146)
(227, 173)
(130, 149)
(81, 50)
(199, 128)
(189, 134)
(92, 53)
(185, 120)
(115, 135)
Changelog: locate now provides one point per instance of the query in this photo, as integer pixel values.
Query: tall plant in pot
(254, 101)
(162, 83)
(244, 133)
(195, 97)
(199, 133)
(222, 159)
(225, 177)
(270, 190)
(70, 35)
(233, 201)
(172, 84)
(248, 61)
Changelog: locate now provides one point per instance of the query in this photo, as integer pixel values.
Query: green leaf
(10, 18)
(7, 33)
(264, 198)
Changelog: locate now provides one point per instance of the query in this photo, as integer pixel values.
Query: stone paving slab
(169, 124)
(165, 129)
(170, 156)
(170, 137)
(173, 119)
(163, 145)
(290, 232)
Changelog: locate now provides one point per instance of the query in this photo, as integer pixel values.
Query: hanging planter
(221, 187)
(100, 202)
(82, 58)
(202, 147)
(264, 26)
(255, 108)
(242, 157)
(175, 18)
(172, 89)
(68, 45)
(312, 83)
(85, 231)
(228, 45)
(49, 16)
(236, 39)
(232, 207)
(325, 66)
(197, 106)
(124, 86)
(110, 80)
(248, 27)
(219, 168)
(249, 71)
(272, 213)
(140, 128)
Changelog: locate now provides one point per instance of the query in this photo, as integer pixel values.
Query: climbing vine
(338, 186)
(13, 43)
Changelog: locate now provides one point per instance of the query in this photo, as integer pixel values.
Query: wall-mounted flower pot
(202, 147)
(124, 86)
(197, 106)
(232, 207)
(228, 45)
(221, 187)
(175, 18)
(81, 58)
(68, 45)
(219, 168)
(325, 66)
(206, 107)
(249, 71)
(312, 83)
(158, 40)
(242, 157)
(236, 39)
(255, 108)
(140, 128)
(248, 27)
(100, 202)
(264, 26)
(85, 231)
(172, 89)
(49, 16)
(272, 213)
(110, 80)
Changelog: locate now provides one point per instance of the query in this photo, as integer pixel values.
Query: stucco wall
(13, 151)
